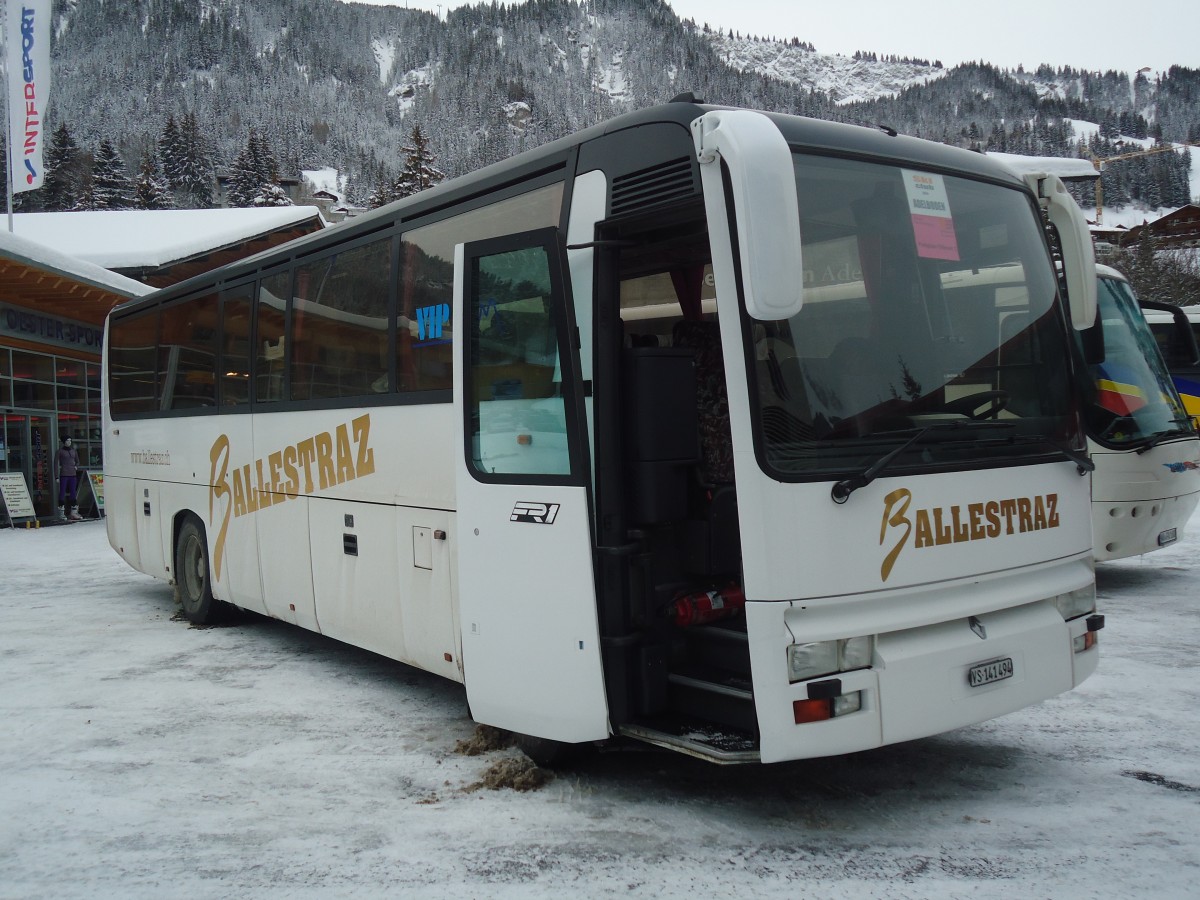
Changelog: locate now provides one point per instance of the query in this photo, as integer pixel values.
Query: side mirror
(1079, 257)
(766, 214)
(1184, 338)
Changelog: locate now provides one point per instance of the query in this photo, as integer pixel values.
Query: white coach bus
(568, 431)
(1147, 478)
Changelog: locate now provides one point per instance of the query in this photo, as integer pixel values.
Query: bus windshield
(929, 299)
(1134, 400)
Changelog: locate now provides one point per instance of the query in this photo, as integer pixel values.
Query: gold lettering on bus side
(991, 511)
(345, 465)
(251, 493)
(898, 500)
(960, 528)
(924, 529)
(941, 533)
(362, 435)
(308, 455)
(325, 473)
(975, 511)
(239, 495)
(1052, 510)
(275, 465)
(218, 458)
(239, 491)
(1008, 509)
(1039, 514)
(292, 486)
(262, 488)
(1023, 514)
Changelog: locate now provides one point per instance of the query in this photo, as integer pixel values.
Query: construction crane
(1099, 163)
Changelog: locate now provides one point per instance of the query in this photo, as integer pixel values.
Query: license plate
(986, 673)
(1167, 537)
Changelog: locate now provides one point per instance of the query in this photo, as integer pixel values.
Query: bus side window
(188, 354)
(131, 363)
(234, 372)
(517, 408)
(269, 352)
(340, 324)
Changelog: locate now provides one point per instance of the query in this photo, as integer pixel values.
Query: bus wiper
(1158, 437)
(842, 490)
(1083, 462)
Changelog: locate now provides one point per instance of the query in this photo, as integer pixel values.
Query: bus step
(702, 740)
(723, 699)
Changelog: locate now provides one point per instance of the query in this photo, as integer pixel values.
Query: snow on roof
(1062, 166)
(133, 238)
(14, 246)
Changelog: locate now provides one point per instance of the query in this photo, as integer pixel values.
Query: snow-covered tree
(193, 167)
(254, 175)
(419, 171)
(108, 187)
(60, 190)
(151, 190)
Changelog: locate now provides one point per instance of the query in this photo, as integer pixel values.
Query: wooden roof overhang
(43, 289)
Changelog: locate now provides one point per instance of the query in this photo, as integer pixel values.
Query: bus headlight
(1078, 602)
(818, 658)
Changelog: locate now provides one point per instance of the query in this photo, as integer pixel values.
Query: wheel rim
(195, 568)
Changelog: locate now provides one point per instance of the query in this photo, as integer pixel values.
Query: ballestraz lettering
(314, 464)
(940, 525)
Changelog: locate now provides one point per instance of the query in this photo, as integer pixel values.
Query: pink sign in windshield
(933, 225)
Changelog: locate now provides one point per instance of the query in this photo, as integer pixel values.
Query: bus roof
(801, 132)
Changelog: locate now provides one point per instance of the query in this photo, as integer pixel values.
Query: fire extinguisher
(702, 607)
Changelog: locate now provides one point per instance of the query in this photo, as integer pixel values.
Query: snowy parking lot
(141, 757)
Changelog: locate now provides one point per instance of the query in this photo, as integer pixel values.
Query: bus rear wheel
(193, 587)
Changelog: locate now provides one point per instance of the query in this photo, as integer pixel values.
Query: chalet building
(1175, 231)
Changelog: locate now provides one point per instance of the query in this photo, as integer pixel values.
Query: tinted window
(340, 324)
(132, 343)
(235, 346)
(187, 353)
(269, 342)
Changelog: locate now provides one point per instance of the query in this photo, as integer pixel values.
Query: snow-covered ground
(143, 758)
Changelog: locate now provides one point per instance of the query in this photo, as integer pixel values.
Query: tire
(193, 579)
(545, 753)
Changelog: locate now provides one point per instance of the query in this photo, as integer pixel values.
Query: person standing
(67, 464)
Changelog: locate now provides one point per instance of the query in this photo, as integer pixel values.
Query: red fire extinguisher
(703, 607)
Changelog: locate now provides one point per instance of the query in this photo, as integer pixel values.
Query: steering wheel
(969, 405)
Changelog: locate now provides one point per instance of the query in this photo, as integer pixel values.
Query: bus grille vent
(649, 187)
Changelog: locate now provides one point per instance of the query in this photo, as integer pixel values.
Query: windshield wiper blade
(1155, 439)
(1082, 461)
(842, 490)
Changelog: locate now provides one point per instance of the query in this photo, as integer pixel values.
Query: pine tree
(419, 171)
(194, 166)
(170, 152)
(272, 195)
(60, 190)
(151, 190)
(254, 175)
(111, 187)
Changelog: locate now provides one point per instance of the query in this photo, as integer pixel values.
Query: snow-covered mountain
(332, 84)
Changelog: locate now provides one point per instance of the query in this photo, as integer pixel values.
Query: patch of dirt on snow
(484, 740)
(516, 772)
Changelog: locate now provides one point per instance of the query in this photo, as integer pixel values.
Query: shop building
(52, 311)
(60, 274)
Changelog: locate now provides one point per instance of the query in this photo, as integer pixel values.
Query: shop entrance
(27, 445)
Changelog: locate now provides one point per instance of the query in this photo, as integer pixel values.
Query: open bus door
(527, 597)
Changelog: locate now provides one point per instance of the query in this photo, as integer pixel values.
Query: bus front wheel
(193, 588)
